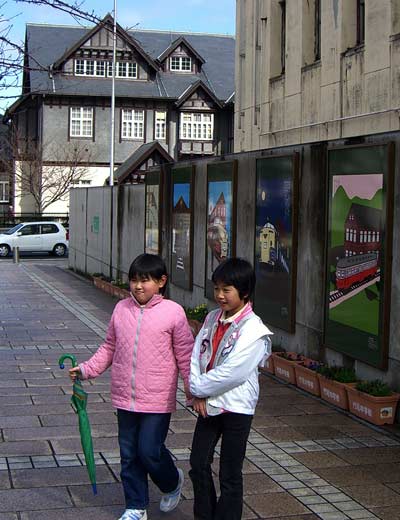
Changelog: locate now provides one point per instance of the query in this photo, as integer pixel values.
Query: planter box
(334, 392)
(284, 368)
(269, 365)
(109, 288)
(195, 326)
(307, 379)
(377, 410)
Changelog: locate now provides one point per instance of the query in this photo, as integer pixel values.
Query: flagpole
(112, 132)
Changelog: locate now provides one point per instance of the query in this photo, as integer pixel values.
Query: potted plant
(307, 377)
(196, 316)
(373, 401)
(333, 382)
(284, 363)
(116, 288)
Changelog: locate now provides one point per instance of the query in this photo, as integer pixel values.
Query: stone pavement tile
(179, 440)
(385, 473)
(370, 455)
(19, 376)
(12, 449)
(395, 486)
(34, 478)
(63, 446)
(346, 475)
(270, 505)
(5, 392)
(13, 500)
(281, 434)
(4, 384)
(317, 432)
(257, 484)
(4, 480)
(295, 517)
(72, 513)
(319, 459)
(24, 434)
(249, 467)
(60, 399)
(16, 400)
(333, 419)
(265, 421)
(385, 513)
(183, 426)
(107, 494)
(276, 410)
(354, 430)
(70, 419)
(8, 516)
(18, 421)
(377, 495)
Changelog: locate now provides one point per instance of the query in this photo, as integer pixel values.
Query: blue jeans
(234, 429)
(141, 438)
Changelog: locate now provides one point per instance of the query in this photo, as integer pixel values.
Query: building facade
(319, 80)
(315, 70)
(170, 88)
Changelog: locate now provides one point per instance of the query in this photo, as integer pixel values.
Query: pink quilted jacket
(145, 347)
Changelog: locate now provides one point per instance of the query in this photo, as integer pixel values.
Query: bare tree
(13, 57)
(45, 182)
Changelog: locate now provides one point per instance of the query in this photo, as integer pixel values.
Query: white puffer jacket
(232, 384)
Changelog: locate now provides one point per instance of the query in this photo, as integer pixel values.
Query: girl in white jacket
(231, 345)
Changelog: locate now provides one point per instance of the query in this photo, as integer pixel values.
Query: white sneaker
(134, 514)
(170, 500)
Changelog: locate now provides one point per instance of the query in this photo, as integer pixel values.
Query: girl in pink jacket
(148, 342)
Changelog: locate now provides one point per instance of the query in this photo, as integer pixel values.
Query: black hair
(148, 266)
(239, 273)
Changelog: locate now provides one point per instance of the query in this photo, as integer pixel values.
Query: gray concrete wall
(128, 241)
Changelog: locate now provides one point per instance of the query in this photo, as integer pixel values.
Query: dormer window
(99, 68)
(181, 64)
(90, 68)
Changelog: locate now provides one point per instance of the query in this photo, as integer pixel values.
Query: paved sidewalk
(305, 460)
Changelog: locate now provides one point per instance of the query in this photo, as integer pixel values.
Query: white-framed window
(90, 68)
(181, 64)
(132, 124)
(81, 122)
(123, 69)
(160, 125)
(197, 126)
(4, 191)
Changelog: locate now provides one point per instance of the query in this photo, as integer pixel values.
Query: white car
(50, 237)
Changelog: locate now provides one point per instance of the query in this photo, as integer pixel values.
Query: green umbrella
(78, 403)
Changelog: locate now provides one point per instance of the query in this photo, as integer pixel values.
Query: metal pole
(16, 255)
(113, 96)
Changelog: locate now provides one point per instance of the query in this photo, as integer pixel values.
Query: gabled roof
(192, 88)
(139, 157)
(46, 44)
(175, 44)
(107, 21)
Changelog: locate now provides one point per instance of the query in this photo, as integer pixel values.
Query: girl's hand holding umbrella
(75, 373)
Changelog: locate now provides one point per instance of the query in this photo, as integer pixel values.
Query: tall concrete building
(318, 81)
(315, 70)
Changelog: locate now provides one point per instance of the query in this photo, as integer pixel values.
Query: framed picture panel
(358, 258)
(153, 212)
(275, 244)
(182, 226)
(221, 218)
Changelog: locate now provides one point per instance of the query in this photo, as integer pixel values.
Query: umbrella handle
(67, 356)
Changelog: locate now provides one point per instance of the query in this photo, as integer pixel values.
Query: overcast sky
(211, 16)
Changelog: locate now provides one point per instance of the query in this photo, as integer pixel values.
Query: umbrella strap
(74, 407)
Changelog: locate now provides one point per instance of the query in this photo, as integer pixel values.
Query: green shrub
(198, 313)
(340, 374)
(376, 388)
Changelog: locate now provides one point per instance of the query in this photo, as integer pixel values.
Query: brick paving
(305, 459)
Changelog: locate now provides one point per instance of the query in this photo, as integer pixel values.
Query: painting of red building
(362, 230)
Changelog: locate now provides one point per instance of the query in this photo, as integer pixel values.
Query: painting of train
(356, 269)
(359, 240)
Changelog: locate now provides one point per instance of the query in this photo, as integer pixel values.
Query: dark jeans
(141, 439)
(234, 429)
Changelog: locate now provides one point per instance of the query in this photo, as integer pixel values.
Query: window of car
(49, 228)
(13, 229)
(31, 229)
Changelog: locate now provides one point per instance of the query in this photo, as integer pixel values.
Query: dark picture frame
(153, 211)
(182, 199)
(221, 218)
(275, 243)
(359, 251)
